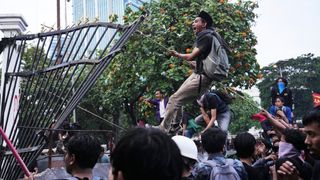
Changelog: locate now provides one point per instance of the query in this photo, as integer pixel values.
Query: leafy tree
(243, 107)
(303, 75)
(145, 66)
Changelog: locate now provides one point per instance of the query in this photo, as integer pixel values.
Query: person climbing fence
(199, 81)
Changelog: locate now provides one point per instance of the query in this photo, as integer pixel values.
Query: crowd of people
(163, 153)
(149, 153)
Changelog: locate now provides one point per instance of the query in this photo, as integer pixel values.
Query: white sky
(285, 28)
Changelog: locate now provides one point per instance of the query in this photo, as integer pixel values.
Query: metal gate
(65, 64)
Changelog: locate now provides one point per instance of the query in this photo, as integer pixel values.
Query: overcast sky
(285, 28)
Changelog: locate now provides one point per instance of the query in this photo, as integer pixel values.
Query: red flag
(316, 99)
(258, 117)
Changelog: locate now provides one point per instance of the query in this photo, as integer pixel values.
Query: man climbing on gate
(198, 82)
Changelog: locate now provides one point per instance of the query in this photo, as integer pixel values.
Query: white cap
(187, 147)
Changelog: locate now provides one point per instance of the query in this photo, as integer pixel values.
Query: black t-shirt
(316, 170)
(204, 43)
(252, 172)
(213, 101)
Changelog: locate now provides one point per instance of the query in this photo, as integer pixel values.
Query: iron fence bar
(89, 42)
(74, 45)
(93, 68)
(44, 81)
(108, 44)
(99, 70)
(63, 65)
(10, 54)
(58, 106)
(34, 114)
(52, 101)
(69, 43)
(34, 97)
(3, 98)
(61, 48)
(24, 113)
(34, 63)
(100, 39)
(79, 47)
(52, 33)
(69, 130)
(8, 88)
(61, 93)
(37, 55)
(82, 84)
(19, 58)
(43, 51)
(30, 91)
(84, 89)
(7, 74)
(74, 69)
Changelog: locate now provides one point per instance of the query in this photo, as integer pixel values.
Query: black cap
(205, 16)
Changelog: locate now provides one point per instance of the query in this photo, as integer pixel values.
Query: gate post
(10, 25)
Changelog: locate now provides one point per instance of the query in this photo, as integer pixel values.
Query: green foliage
(303, 75)
(242, 110)
(145, 66)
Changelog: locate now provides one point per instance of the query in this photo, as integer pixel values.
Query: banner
(316, 99)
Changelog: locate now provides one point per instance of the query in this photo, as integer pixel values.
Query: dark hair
(86, 149)
(225, 97)
(245, 143)
(280, 98)
(159, 91)
(283, 80)
(265, 142)
(147, 154)
(205, 17)
(295, 137)
(312, 117)
(213, 140)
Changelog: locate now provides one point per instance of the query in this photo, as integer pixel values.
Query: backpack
(224, 171)
(216, 65)
(227, 98)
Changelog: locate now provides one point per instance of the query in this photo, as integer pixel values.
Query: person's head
(294, 137)
(279, 101)
(188, 150)
(146, 154)
(245, 144)
(158, 94)
(283, 80)
(274, 136)
(201, 22)
(311, 124)
(82, 152)
(204, 100)
(213, 140)
(264, 146)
